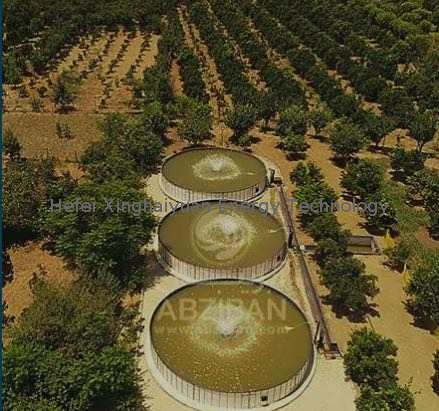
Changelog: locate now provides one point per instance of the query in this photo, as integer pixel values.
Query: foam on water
(216, 167)
(226, 329)
(223, 236)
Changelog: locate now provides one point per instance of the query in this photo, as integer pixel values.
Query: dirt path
(176, 81)
(148, 55)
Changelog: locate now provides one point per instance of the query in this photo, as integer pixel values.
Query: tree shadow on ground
(419, 321)
(154, 270)
(357, 317)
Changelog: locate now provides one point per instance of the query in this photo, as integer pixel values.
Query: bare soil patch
(26, 260)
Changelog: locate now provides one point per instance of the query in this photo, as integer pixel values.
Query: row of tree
(48, 29)
(396, 103)
(370, 362)
(283, 89)
(344, 276)
(231, 69)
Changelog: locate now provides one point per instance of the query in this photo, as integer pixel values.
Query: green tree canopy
(423, 128)
(292, 120)
(306, 173)
(349, 288)
(392, 397)
(363, 178)
(241, 119)
(37, 378)
(346, 139)
(105, 244)
(28, 186)
(11, 145)
(73, 320)
(370, 359)
(65, 90)
(196, 121)
(294, 144)
(423, 290)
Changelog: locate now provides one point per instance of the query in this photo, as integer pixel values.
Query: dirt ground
(26, 260)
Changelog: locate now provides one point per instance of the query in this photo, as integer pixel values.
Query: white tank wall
(185, 195)
(243, 400)
(206, 273)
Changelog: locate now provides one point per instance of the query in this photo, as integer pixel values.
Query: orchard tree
(425, 183)
(390, 397)
(294, 144)
(154, 118)
(104, 162)
(196, 122)
(349, 288)
(292, 120)
(347, 139)
(241, 119)
(423, 291)
(315, 193)
(398, 106)
(129, 141)
(306, 173)
(268, 106)
(325, 225)
(363, 178)
(399, 255)
(38, 378)
(375, 127)
(65, 90)
(320, 119)
(28, 185)
(375, 216)
(407, 162)
(245, 140)
(423, 128)
(328, 248)
(370, 359)
(73, 319)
